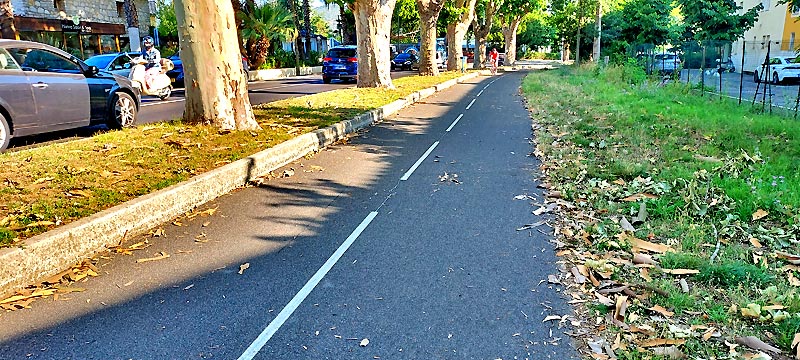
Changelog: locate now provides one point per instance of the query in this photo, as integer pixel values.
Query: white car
(778, 70)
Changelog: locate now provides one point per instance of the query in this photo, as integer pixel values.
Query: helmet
(147, 41)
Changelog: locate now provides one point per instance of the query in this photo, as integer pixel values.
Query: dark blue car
(340, 63)
(176, 74)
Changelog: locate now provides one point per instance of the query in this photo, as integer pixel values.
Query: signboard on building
(70, 26)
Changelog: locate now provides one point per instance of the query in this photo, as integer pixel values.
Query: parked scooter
(160, 85)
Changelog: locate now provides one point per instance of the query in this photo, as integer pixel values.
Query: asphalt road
(155, 110)
(729, 84)
(398, 244)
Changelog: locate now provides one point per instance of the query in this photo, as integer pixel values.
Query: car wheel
(326, 80)
(123, 111)
(775, 79)
(165, 94)
(5, 133)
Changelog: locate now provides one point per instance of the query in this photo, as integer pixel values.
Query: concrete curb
(272, 74)
(48, 254)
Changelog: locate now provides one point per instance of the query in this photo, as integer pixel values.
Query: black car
(405, 61)
(44, 89)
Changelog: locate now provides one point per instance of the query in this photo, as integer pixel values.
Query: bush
(534, 55)
(285, 59)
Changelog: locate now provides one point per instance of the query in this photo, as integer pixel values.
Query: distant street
(782, 94)
(155, 110)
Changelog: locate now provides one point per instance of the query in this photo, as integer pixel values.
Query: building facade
(81, 27)
(774, 34)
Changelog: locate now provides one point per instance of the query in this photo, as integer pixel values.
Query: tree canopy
(716, 19)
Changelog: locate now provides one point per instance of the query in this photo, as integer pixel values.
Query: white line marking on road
(287, 311)
(416, 165)
(162, 102)
(470, 103)
(487, 85)
(479, 94)
(454, 123)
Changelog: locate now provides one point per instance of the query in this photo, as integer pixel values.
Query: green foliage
(263, 25)
(405, 19)
(723, 23)
(673, 260)
(732, 274)
(6, 236)
(535, 33)
(168, 25)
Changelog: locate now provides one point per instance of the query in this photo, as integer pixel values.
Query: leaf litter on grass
(635, 290)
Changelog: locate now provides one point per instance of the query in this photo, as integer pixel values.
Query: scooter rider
(153, 58)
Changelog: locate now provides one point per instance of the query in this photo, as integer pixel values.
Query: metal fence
(763, 73)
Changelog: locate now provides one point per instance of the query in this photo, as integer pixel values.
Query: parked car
(666, 64)
(176, 74)
(117, 63)
(341, 63)
(779, 69)
(44, 89)
(405, 61)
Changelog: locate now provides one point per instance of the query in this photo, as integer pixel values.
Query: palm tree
(7, 29)
(263, 25)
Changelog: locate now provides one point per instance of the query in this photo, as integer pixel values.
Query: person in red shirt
(493, 56)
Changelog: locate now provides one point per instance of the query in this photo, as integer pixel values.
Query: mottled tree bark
(599, 27)
(510, 36)
(216, 89)
(373, 26)
(7, 28)
(482, 30)
(428, 16)
(456, 31)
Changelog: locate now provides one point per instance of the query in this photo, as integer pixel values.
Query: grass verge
(678, 214)
(45, 187)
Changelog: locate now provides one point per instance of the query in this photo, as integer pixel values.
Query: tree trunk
(132, 18)
(216, 89)
(7, 28)
(307, 27)
(373, 27)
(510, 37)
(428, 16)
(481, 31)
(599, 28)
(456, 31)
(343, 27)
(297, 43)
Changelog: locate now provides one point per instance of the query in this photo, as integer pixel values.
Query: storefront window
(108, 44)
(73, 45)
(124, 43)
(91, 45)
(46, 37)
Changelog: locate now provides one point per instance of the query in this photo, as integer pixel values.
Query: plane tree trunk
(481, 28)
(428, 16)
(7, 28)
(373, 26)
(456, 31)
(510, 36)
(216, 89)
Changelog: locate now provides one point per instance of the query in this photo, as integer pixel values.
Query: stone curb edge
(50, 253)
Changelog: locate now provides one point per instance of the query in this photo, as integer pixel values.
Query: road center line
(470, 103)
(479, 94)
(454, 123)
(417, 164)
(287, 311)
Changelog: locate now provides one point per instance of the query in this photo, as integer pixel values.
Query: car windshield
(403, 56)
(342, 53)
(101, 61)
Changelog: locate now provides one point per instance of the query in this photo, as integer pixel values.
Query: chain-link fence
(764, 73)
